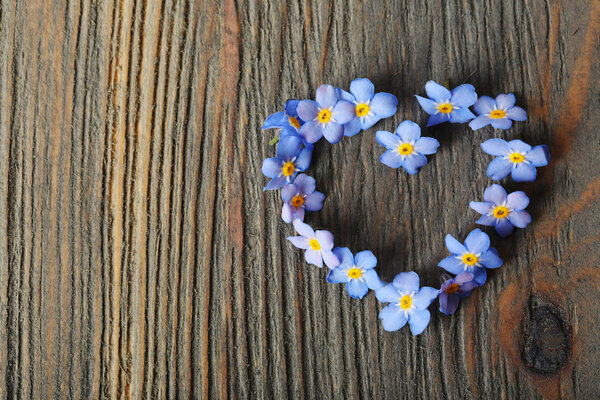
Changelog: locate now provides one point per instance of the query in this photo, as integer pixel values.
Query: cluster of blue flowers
(336, 113)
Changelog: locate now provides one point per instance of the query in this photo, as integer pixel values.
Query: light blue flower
(473, 257)
(355, 271)
(444, 105)
(369, 107)
(291, 159)
(500, 112)
(501, 210)
(300, 196)
(408, 303)
(318, 245)
(326, 116)
(406, 147)
(286, 119)
(516, 158)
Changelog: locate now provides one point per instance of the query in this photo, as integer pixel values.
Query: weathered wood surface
(140, 258)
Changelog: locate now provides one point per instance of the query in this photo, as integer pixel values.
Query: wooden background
(139, 257)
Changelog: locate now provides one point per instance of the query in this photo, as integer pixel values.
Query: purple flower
(326, 116)
(409, 303)
(406, 148)
(286, 119)
(300, 196)
(473, 257)
(291, 159)
(355, 271)
(369, 107)
(453, 289)
(444, 105)
(502, 211)
(500, 112)
(317, 244)
(516, 158)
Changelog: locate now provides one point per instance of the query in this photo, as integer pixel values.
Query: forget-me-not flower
(355, 271)
(369, 106)
(500, 112)
(406, 147)
(300, 196)
(473, 257)
(445, 105)
(318, 245)
(286, 119)
(291, 159)
(501, 210)
(326, 116)
(408, 303)
(454, 289)
(516, 158)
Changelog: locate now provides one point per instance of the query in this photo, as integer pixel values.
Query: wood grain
(140, 258)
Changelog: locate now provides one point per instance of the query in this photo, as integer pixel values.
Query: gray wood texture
(140, 258)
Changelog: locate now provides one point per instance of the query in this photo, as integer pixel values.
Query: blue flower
(502, 211)
(356, 272)
(369, 107)
(300, 196)
(291, 159)
(317, 244)
(326, 116)
(406, 148)
(409, 303)
(444, 105)
(497, 112)
(473, 257)
(286, 119)
(453, 290)
(516, 158)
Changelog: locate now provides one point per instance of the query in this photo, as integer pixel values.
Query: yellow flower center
(297, 200)
(500, 212)
(405, 149)
(294, 122)
(517, 158)
(497, 114)
(405, 302)
(469, 259)
(324, 115)
(445, 108)
(354, 273)
(452, 288)
(314, 244)
(362, 109)
(288, 168)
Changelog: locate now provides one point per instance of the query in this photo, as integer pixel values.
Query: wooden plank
(139, 256)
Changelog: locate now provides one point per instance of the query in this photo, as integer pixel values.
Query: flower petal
(272, 167)
(368, 120)
(330, 259)
(495, 194)
(352, 127)
(539, 155)
(274, 121)
(287, 213)
(454, 246)
(520, 219)
(304, 184)
(461, 116)
(303, 161)
(291, 107)
(524, 172)
(408, 131)
(426, 145)
(311, 131)
(496, 147)
(449, 303)
(391, 158)
(487, 220)
(490, 259)
(304, 229)
(516, 114)
(463, 277)
(505, 101)
(384, 105)
(480, 122)
(313, 257)
(345, 256)
(325, 239)
(499, 168)
(452, 265)
(437, 119)
(289, 191)
(482, 207)
(392, 318)
(480, 275)
(314, 201)
(424, 297)
(308, 110)
(365, 259)
(388, 293)
(343, 112)
(428, 105)
(326, 96)
(503, 227)
(477, 241)
(413, 162)
(501, 123)
(388, 140)
(356, 288)
(407, 282)
(372, 279)
(519, 146)
(418, 321)
(464, 95)
(362, 89)
(333, 132)
(337, 275)
(299, 241)
(517, 200)
(276, 183)
(437, 92)
(484, 105)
